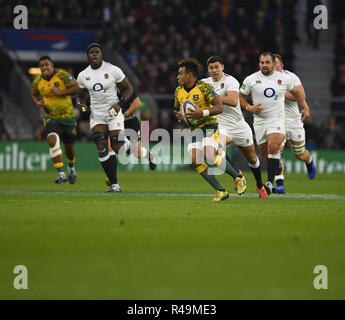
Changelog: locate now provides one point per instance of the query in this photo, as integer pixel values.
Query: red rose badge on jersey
(106, 76)
(279, 81)
(222, 85)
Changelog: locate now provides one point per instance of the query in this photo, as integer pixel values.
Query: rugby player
(267, 88)
(295, 134)
(102, 81)
(51, 90)
(204, 143)
(232, 126)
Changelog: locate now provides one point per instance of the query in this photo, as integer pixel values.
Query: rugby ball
(186, 107)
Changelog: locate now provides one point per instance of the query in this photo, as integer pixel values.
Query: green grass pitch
(163, 238)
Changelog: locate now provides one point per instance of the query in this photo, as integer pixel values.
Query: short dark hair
(278, 56)
(93, 45)
(191, 65)
(267, 53)
(214, 59)
(44, 58)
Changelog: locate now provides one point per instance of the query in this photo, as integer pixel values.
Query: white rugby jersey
(101, 84)
(291, 107)
(230, 115)
(269, 91)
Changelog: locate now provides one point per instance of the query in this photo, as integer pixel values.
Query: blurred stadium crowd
(153, 35)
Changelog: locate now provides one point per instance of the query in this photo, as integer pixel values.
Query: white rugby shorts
(295, 130)
(264, 128)
(240, 136)
(101, 116)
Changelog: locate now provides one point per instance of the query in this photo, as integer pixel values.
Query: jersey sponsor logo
(97, 87)
(243, 87)
(56, 84)
(195, 97)
(258, 81)
(106, 76)
(269, 92)
(87, 78)
(69, 79)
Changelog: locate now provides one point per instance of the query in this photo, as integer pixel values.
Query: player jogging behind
(56, 87)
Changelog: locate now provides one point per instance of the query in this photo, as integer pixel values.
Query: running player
(203, 140)
(295, 134)
(132, 123)
(102, 80)
(232, 126)
(267, 88)
(56, 87)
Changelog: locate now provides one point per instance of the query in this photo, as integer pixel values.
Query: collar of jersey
(48, 79)
(192, 87)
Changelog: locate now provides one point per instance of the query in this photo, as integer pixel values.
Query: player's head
(215, 67)
(46, 65)
(278, 62)
(94, 53)
(266, 63)
(188, 71)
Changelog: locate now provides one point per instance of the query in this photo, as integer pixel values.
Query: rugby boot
(241, 185)
(220, 195)
(61, 178)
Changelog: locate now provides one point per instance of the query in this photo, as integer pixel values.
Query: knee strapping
(56, 149)
(101, 140)
(117, 141)
(298, 148)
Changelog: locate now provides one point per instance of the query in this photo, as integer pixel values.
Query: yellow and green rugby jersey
(55, 107)
(202, 94)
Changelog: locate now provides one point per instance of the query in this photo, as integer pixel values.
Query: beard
(266, 71)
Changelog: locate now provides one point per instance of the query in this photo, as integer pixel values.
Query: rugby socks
(59, 166)
(229, 160)
(211, 179)
(309, 164)
(255, 168)
(229, 169)
(272, 166)
(71, 167)
(109, 164)
(280, 173)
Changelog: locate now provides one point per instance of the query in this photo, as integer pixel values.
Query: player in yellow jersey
(204, 140)
(52, 91)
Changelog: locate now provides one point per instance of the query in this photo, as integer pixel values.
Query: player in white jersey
(232, 126)
(267, 88)
(295, 134)
(101, 80)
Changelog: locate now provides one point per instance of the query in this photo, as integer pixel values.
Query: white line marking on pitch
(302, 196)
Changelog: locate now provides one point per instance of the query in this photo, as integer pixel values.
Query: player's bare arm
(255, 109)
(37, 100)
(127, 91)
(217, 108)
(301, 93)
(298, 94)
(81, 99)
(230, 99)
(72, 89)
(135, 105)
